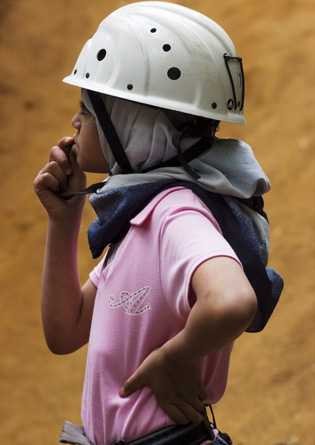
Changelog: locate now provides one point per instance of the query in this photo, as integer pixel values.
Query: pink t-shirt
(143, 299)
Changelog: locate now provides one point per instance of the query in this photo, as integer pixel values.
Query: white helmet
(165, 55)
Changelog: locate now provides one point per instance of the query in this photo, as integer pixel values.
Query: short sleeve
(189, 236)
(96, 272)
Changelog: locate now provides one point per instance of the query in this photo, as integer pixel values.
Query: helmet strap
(184, 163)
(109, 132)
(199, 127)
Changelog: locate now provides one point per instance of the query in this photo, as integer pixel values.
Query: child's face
(87, 147)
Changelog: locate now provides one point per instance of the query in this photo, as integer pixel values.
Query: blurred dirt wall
(270, 396)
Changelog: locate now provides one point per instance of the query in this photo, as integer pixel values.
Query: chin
(91, 167)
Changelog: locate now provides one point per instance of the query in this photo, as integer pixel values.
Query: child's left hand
(177, 386)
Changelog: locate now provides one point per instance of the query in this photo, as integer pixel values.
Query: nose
(75, 122)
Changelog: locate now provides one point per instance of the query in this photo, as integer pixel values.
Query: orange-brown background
(270, 397)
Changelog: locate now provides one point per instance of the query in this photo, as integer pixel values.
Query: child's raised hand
(177, 386)
(60, 174)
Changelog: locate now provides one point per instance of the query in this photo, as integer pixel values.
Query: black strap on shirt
(109, 131)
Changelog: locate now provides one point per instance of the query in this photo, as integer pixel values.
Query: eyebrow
(82, 105)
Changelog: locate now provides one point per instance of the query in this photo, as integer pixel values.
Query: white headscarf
(149, 137)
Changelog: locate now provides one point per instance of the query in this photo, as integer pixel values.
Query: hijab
(150, 136)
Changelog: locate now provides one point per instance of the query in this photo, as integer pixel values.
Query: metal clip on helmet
(165, 55)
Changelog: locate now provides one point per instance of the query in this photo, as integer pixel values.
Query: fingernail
(122, 392)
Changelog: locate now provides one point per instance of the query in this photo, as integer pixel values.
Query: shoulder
(169, 202)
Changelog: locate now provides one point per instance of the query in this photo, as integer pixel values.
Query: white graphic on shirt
(131, 302)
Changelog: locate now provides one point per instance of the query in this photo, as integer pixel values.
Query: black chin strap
(109, 132)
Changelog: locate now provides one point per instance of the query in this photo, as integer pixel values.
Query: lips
(75, 144)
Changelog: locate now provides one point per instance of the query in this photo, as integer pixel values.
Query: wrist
(177, 349)
(67, 213)
(65, 228)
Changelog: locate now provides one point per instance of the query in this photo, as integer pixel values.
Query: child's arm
(66, 308)
(225, 306)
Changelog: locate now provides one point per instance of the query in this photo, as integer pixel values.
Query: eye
(83, 110)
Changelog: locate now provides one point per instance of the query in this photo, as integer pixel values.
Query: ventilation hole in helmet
(230, 104)
(214, 105)
(101, 54)
(174, 73)
(238, 104)
(87, 75)
(166, 48)
(153, 30)
(75, 71)
(130, 86)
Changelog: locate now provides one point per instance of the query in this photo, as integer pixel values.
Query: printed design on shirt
(131, 302)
